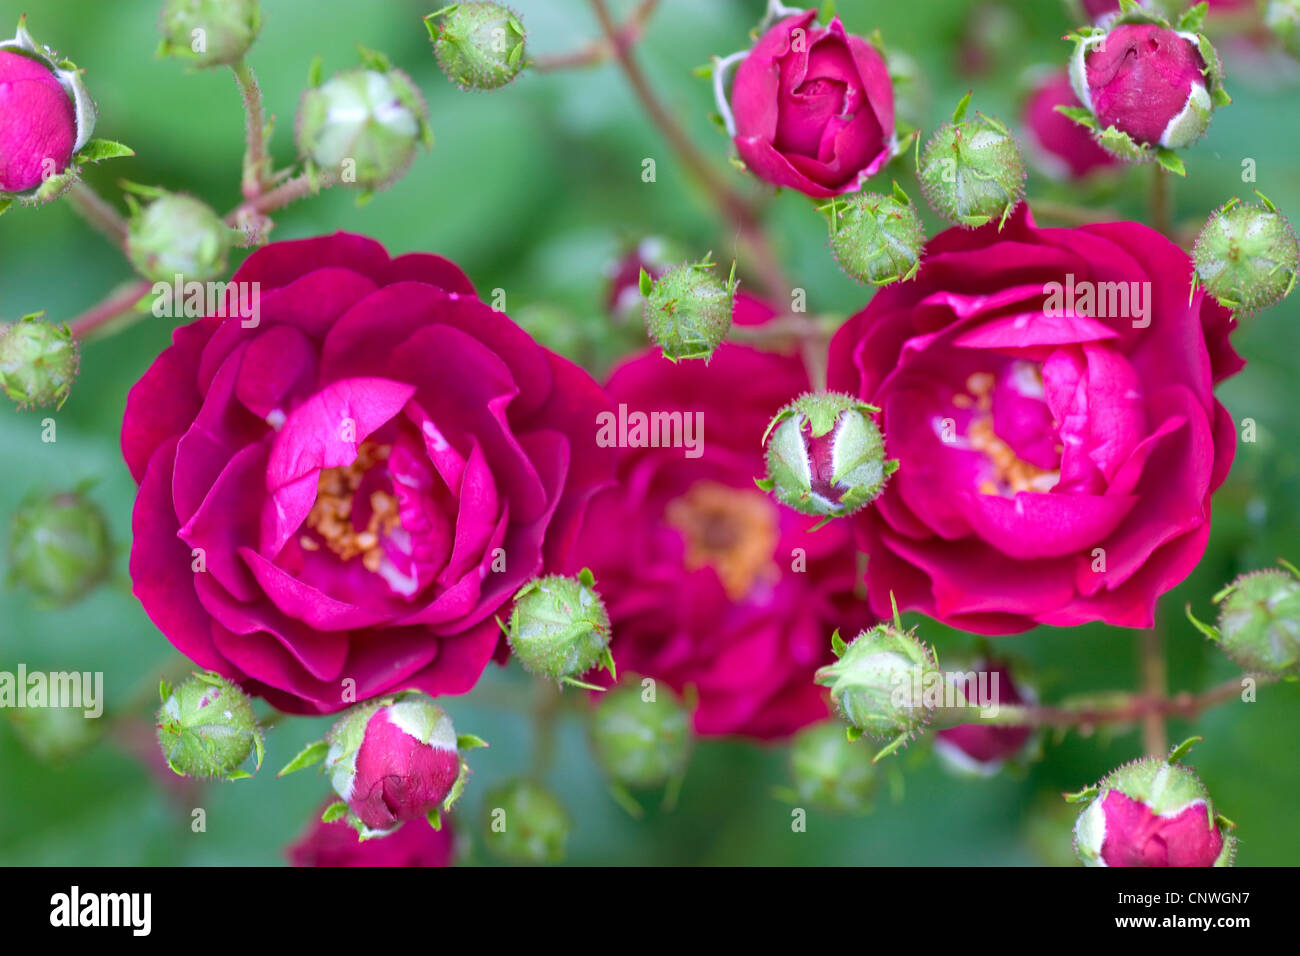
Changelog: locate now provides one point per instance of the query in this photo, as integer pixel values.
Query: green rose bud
(1247, 256)
(830, 771)
(1259, 622)
(207, 728)
(59, 545)
(526, 823)
(38, 362)
(879, 683)
(1282, 17)
(478, 45)
(559, 627)
(641, 742)
(971, 171)
(175, 235)
(54, 734)
(209, 32)
(688, 309)
(826, 455)
(362, 126)
(876, 238)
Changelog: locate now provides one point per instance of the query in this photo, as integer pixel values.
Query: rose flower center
(732, 530)
(333, 518)
(1012, 428)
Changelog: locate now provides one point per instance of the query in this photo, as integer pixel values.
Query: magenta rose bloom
(1147, 81)
(982, 747)
(1057, 447)
(1060, 144)
(38, 122)
(708, 581)
(337, 844)
(813, 107)
(340, 496)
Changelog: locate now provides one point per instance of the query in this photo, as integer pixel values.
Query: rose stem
(1131, 707)
(1152, 651)
(98, 212)
(255, 155)
(118, 302)
(598, 52)
(1160, 201)
(730, 203)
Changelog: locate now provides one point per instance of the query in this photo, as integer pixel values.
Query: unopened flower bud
(1146, 88)
(38, 362)
(54, 734)
(479, 45)
(978, 747)
(1152, 812)
(46, 117)
(559, 627)
(1247, 256)
(826, 455)
(176, 234)
(688, 309)
(209, 32)
(1259, 621)
(207, 728)
(363, 125)
(1282, 17)
(879, 683)
(830, 771)
(971, 170)
(394, 759)
(652, 255)
(641, 740)
(526, 823)
(876, 238)
(59, 545)
(1104, 11)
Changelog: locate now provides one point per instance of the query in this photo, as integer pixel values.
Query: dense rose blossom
(1060, 143)
(348, 486)
(38, 123)
(1146, 81)
(1057, 450)
(699, 569)
(813, 107)
(338, 844)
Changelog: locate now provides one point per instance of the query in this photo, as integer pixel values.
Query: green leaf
(1087, 793)
(1210, 632)
(469, 742)
(335, 811)
(164, 690)
(309, 756)
(1179, 752)
(435, 818)
(960, 111)
(98, 150)
(1169, 160)
(4, 205)
(837, 643)
(1080, 114)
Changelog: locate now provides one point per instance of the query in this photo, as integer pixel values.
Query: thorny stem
(98, 212)
(1160, 200)
(255, 155)
(599, 51)
(117, 303)
(1122, 710)
(731, 204)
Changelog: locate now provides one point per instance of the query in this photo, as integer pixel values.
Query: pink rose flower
(38, 123)
(352, 488)
(1057, 449)
(1147, 81)
(699, 569)
(1138, 836)
(813, 107)
(337, 844)
(1061, 144)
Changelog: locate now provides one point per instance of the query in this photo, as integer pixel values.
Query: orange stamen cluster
(734, 531)
(1011, 474)
(331, 515)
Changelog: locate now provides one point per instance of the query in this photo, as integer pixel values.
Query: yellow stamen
(732, 530)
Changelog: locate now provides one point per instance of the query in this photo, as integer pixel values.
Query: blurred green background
(535, 190)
